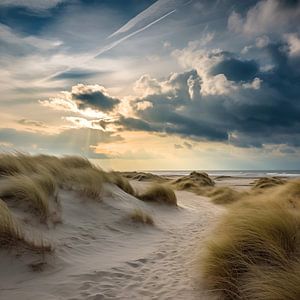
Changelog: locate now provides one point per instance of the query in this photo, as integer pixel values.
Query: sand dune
(101, 254)
(69, 230)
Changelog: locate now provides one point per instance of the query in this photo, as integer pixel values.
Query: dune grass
(196, 182)
(139, 216)
(11, 235)
(121, 182)
(87, 181)
(159, 193)
(143, 176)
(224, 195)
(26, 190)
(72, 161)
(255, 251)
(267, 182)
(9, 165)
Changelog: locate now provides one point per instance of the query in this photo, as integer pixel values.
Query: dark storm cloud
(135, 124)
(94, 98)
(247, 116)
(236, 70)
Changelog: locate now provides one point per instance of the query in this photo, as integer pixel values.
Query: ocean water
(234, 173)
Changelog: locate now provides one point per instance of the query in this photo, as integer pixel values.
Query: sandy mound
(267, 182)
(142, 176)
(193, 181)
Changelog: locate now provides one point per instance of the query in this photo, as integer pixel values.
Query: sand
(101, 254)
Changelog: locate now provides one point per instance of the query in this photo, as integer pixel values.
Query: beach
(101, 250)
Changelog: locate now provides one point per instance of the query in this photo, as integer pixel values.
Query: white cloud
(265, 17)
(203, 60)
(8, 35)
(66, 101)
(146, 85)
(255, 84)
(37, 5)
(293, 41)
(262, 41)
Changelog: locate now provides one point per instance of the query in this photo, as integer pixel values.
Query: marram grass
(254, 252)
(139, 216)
(159, 193)
(11, 235)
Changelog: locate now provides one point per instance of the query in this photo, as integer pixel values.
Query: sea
(232, 173)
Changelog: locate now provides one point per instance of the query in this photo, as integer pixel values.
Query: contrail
(114, 44)
(111, 45)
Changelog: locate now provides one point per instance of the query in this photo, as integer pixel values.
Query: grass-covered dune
(195, 181)
(267, 182)
(143, 176)
(31, 201)
(254, 252)
(160, 194)
(30, 185)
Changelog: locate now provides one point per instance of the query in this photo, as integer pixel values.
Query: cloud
(88, 100)
(32, 123)
(17, 43)
(236, 70)
(94, 96)
(77, 74)
(293, 40)
(153, 14)
(71, 141)
(255, 108)
(135, 124)
(35, 5)
(178, 146)
(268, 16)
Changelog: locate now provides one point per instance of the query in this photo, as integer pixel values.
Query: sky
(153, 85)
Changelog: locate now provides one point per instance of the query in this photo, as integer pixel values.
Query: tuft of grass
(11, 235)
(9, 231)
(46, 181)
(224, 195)
(75, 162)
(25, 189)
(87, 181)
(267, 182)
(255, 251)
(10, 165)
(159, 193)
(121, 182)
(139, 216)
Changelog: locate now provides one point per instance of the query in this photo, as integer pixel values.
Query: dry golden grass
(139, 216)
(10, 165)
(195, 182)
(11, 235)
(267, 182)
(71, 161)
(159, 193)
(143, 176)
(46, 181)
(26, 190)
(255, 251)
(87, 181)
(121, 182)
(224, 195)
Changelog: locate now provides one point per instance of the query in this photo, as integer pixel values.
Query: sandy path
(167, 273)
